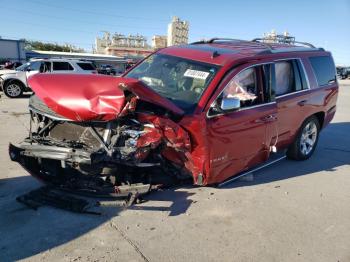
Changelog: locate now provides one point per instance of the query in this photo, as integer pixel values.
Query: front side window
(181, 80)
(23, 67)
(243, 87)
(62, 66)
(35, 66)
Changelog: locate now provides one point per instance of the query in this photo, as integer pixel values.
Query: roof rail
(212, 40)
(292, 42)
(267, 45)
(305, 44)
(269, 48)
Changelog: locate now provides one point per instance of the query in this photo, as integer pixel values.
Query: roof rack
(292, 42)
(212, 40)
(260, 41)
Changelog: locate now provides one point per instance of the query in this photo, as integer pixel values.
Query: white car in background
(14, 82)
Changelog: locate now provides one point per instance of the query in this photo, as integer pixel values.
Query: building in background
(136, 46)
(177, 32)
(123, 46)
(159, 41)
(12, 50)
(273, 37)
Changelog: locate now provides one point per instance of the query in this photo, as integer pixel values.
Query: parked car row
(14, 76)
(343, 72)
(15, 82)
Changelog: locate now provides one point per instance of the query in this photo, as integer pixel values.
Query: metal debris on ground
(53, 196)
(58, 199)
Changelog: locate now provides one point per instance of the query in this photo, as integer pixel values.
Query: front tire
(306, 141)
(13, 89)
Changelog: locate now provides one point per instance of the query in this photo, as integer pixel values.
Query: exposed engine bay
(136, 151)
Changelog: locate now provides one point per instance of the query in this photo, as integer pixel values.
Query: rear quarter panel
(324, 98)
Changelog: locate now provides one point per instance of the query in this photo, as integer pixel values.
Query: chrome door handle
(302, 102)
(268, 118)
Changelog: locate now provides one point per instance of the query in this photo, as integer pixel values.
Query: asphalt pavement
(290, 211)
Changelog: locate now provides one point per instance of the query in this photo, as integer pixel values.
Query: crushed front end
(95, 153)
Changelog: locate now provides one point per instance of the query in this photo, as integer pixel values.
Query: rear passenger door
(292, 94)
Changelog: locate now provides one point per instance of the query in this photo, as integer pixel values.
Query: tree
(38, 45)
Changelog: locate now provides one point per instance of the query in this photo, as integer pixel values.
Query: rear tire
(306, 140)
(13, 89)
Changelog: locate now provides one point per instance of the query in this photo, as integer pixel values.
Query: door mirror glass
(230, 103)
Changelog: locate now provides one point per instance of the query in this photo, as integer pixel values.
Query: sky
(322, 23)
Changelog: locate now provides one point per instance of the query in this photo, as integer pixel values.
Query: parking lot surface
(290, 211)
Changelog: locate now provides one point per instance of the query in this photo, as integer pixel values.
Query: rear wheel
(13, 89)
(306, 140)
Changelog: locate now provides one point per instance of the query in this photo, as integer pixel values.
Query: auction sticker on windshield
(196, 74)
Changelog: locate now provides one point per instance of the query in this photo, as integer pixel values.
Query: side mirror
(28, 69)
(229, 104)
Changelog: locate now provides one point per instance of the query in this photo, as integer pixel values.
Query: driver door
(241, 138)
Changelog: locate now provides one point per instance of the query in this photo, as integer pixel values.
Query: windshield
(180, 80)
(23, 67)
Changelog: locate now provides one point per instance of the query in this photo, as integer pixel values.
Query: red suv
(205, 111)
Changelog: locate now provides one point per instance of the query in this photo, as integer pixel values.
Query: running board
(274, 159)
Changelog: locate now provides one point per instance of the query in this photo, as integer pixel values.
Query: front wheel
(13, 89)
(306, 141)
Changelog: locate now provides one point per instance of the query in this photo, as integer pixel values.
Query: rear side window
(62, 66)
(284, 78)
(289, 77)
(324, 69)
(86, 66)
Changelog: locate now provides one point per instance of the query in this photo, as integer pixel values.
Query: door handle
(302, 102)
(268, 118)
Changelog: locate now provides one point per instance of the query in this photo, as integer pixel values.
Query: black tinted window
(324, 69)
(86, 66)
(60, 66)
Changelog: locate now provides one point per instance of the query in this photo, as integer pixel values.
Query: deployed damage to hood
(103, 135)
(91, 97)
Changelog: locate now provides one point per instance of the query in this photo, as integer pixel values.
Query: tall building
(177, 32)
(159, 41)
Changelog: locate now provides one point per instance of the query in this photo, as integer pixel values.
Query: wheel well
(320, 116)
(16, 81)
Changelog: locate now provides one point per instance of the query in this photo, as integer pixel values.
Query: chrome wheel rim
(308, 138)
(13, 90)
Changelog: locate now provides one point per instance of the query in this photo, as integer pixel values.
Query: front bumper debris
(49, 152)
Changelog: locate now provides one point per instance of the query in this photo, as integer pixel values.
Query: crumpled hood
(92, 97)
